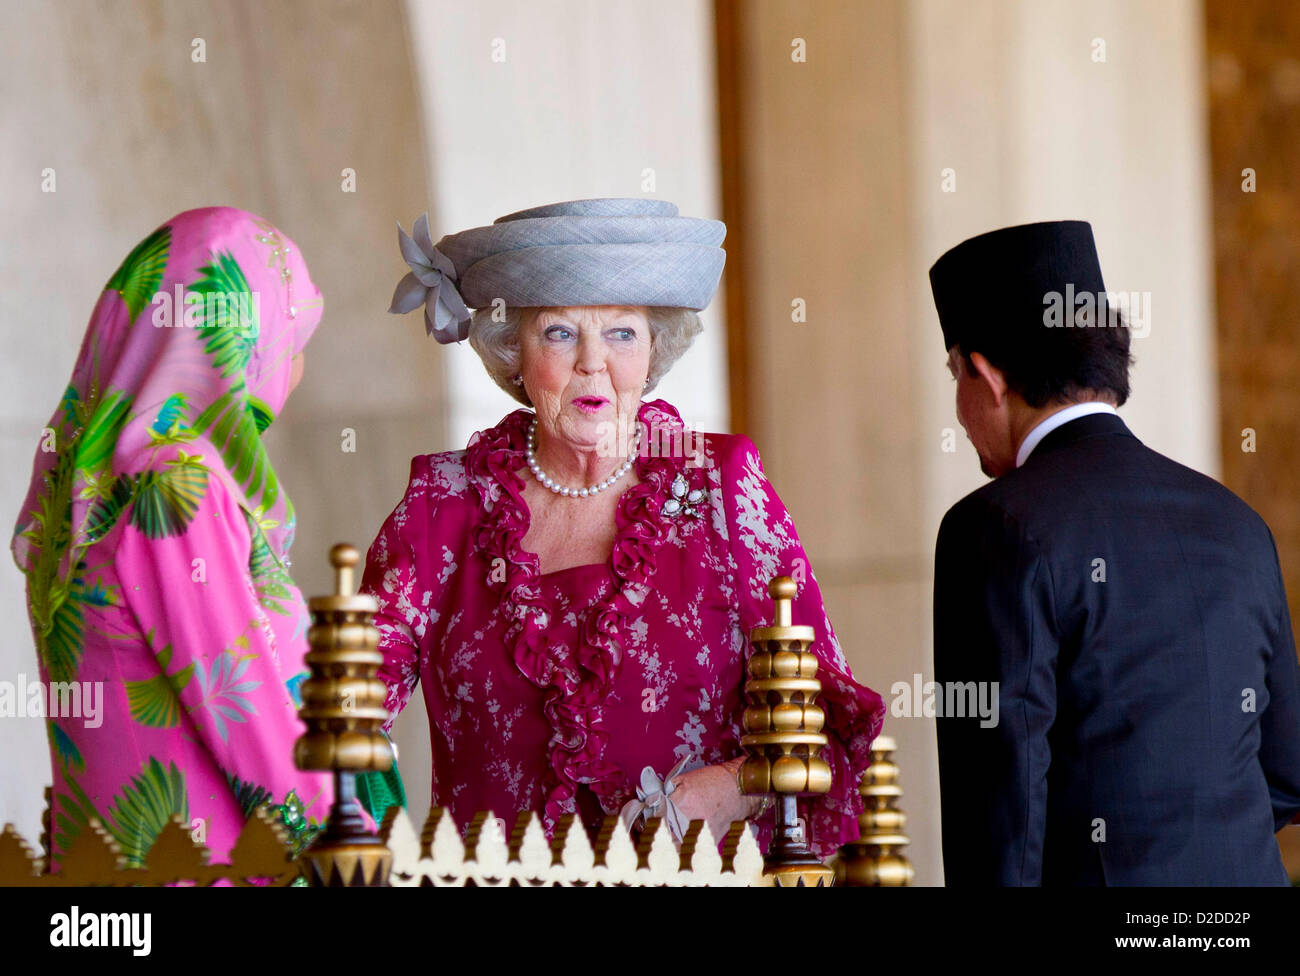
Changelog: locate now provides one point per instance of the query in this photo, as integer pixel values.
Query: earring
(519, 381)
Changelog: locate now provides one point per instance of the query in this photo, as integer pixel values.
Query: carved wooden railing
(437, 857)
(440, 858)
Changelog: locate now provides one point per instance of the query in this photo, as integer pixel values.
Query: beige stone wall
(291, 94)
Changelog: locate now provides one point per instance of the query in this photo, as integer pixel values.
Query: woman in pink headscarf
(155, 537)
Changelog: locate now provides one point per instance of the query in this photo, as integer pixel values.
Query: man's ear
(990, 376)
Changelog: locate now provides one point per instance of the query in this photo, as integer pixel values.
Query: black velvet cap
(992, 289)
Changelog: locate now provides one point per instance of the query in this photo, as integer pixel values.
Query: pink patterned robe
(542, 688)
(155, 539)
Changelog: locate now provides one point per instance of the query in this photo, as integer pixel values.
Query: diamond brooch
(684, 502)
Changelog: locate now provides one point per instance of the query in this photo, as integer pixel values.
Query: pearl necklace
(559, 489)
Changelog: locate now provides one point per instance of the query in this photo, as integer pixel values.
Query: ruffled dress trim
(577, 681)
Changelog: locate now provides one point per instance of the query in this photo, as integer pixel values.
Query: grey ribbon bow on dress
(431, 284)
(654, 799)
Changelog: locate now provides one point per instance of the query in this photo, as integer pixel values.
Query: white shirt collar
(1056, 420)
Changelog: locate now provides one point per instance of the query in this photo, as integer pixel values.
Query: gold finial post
(343, 708)
(783, 590)
(344, 558)
(876, 859)
(784, 738)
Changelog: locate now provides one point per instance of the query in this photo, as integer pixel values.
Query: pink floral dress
(552, 692)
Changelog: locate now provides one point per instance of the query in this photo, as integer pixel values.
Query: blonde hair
(495, 337)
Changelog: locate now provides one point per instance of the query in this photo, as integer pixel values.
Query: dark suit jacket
(1149, 724)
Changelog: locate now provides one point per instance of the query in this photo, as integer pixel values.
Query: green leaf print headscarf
(188, 351)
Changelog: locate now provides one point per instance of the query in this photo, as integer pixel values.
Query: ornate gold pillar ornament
(343, 707)
(784, 738)
(875, 859)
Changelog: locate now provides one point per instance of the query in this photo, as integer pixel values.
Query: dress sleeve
(234, 672)
(392, 577)
(764, 544)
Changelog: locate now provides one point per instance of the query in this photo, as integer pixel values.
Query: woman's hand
(712, 793)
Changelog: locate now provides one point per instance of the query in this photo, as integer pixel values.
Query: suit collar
(1056, 419)
(1092, 425)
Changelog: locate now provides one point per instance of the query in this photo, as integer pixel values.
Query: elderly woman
(574, 598)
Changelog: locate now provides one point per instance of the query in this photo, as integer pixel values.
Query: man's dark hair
(1059, 365)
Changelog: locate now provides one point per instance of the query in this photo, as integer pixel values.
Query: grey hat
(610, 251)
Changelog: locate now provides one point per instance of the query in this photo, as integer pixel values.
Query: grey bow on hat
(603, 251)
(431, 284)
